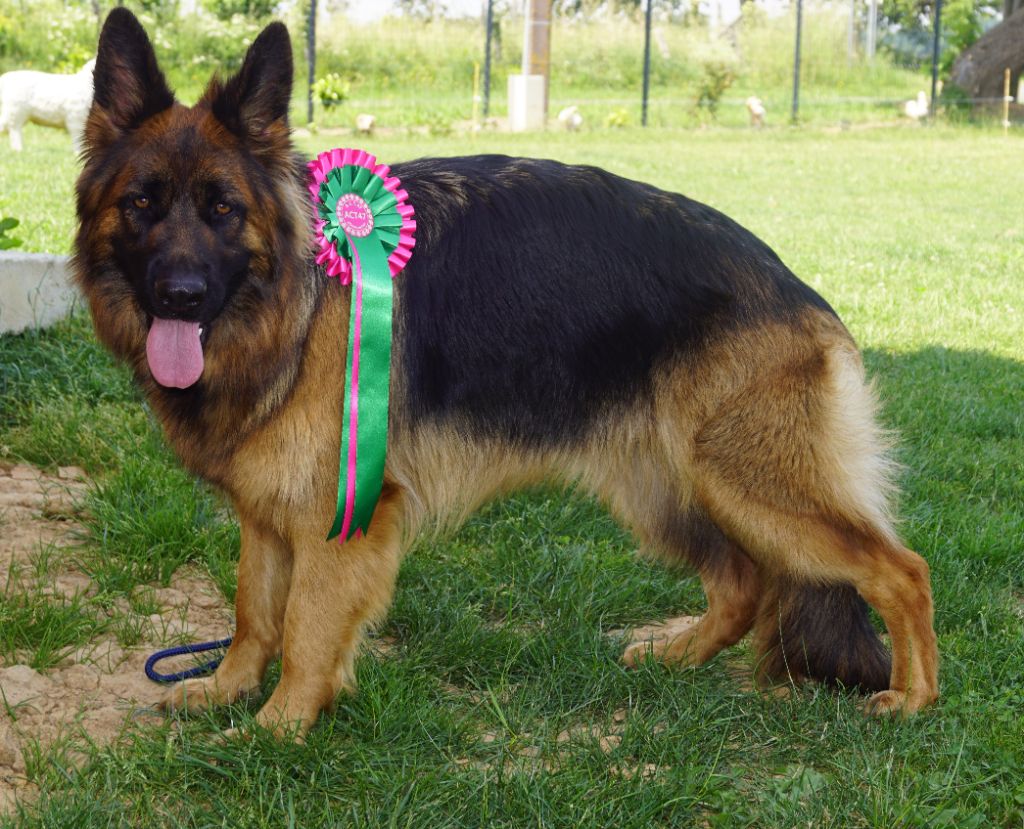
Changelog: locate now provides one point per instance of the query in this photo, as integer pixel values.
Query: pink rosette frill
(336, 173)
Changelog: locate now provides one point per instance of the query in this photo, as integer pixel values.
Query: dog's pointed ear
(254, 103)
(128, 86)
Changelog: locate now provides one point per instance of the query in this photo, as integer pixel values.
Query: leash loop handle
(180, 650)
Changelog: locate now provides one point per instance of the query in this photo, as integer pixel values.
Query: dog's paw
(232, 735)
(222, 688)
(891, 703)
(190, 695)
(281, 729)
(281, 732)
(198, 695)
(639, 652)
(669, 643)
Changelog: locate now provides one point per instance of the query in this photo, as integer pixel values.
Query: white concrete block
(35, 290)
(525, 102)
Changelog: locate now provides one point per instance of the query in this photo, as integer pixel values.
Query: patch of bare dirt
(657, 631)
(523, 754)
(97, 692)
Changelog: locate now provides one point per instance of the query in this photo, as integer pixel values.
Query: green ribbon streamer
(374, 389)
(373, 339)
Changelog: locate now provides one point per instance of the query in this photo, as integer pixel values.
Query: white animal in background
(365, 123)
(918, 108)
(61, 101)
(756, 110)
(570, 118)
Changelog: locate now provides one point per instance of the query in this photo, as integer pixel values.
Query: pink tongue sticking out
(174, 352)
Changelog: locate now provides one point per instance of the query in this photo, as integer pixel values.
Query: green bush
(6, 242)
(71, 39)
(617, 118)
(438, 125)
(714, 80)
(47, 36)
(8, 37)
(331, 90)
(227, 9)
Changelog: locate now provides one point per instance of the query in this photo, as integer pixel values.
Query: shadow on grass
(964, 393)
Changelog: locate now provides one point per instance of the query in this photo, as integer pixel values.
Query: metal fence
(762, 62)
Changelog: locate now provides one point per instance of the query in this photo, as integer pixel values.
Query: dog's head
(186, 213)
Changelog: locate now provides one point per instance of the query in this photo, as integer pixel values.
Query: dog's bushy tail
(820, 632)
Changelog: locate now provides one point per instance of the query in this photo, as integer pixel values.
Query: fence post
(487, 58)
(647, 63)
(851, 31)
(872, 38)
(537, 44)
(936, 40)
(796, 61)
(311, 59)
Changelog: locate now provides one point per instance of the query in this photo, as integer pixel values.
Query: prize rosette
(365, 232)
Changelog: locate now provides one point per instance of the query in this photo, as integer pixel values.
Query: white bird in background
(918, 108)
(756, 110)
(365, 123)
(570, 118)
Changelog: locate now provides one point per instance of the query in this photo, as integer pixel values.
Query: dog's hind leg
(336, 591)
(793, 468)
(643, 495)
(811, 624)
(264, 575)
(731, 584)
(895, 581)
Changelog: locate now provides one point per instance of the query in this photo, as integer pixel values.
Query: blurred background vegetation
(421, 67)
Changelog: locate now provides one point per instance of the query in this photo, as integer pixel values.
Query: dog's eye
(222, 208)
(141, 202)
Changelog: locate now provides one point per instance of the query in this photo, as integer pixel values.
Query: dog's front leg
(336, 591)
(264, 575)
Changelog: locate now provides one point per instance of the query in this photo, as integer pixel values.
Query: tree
(979, 70)
(908, 29)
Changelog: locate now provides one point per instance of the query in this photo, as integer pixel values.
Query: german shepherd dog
(556, 323)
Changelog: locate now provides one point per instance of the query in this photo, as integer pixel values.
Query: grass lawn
(500, 680)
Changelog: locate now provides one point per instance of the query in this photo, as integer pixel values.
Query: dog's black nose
(181, 292)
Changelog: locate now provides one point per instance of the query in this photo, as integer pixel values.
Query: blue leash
(200, 670)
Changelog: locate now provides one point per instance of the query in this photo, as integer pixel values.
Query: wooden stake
(537, 45)
(1006, 100)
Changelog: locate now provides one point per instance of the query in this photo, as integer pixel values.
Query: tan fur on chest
(286, 471)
